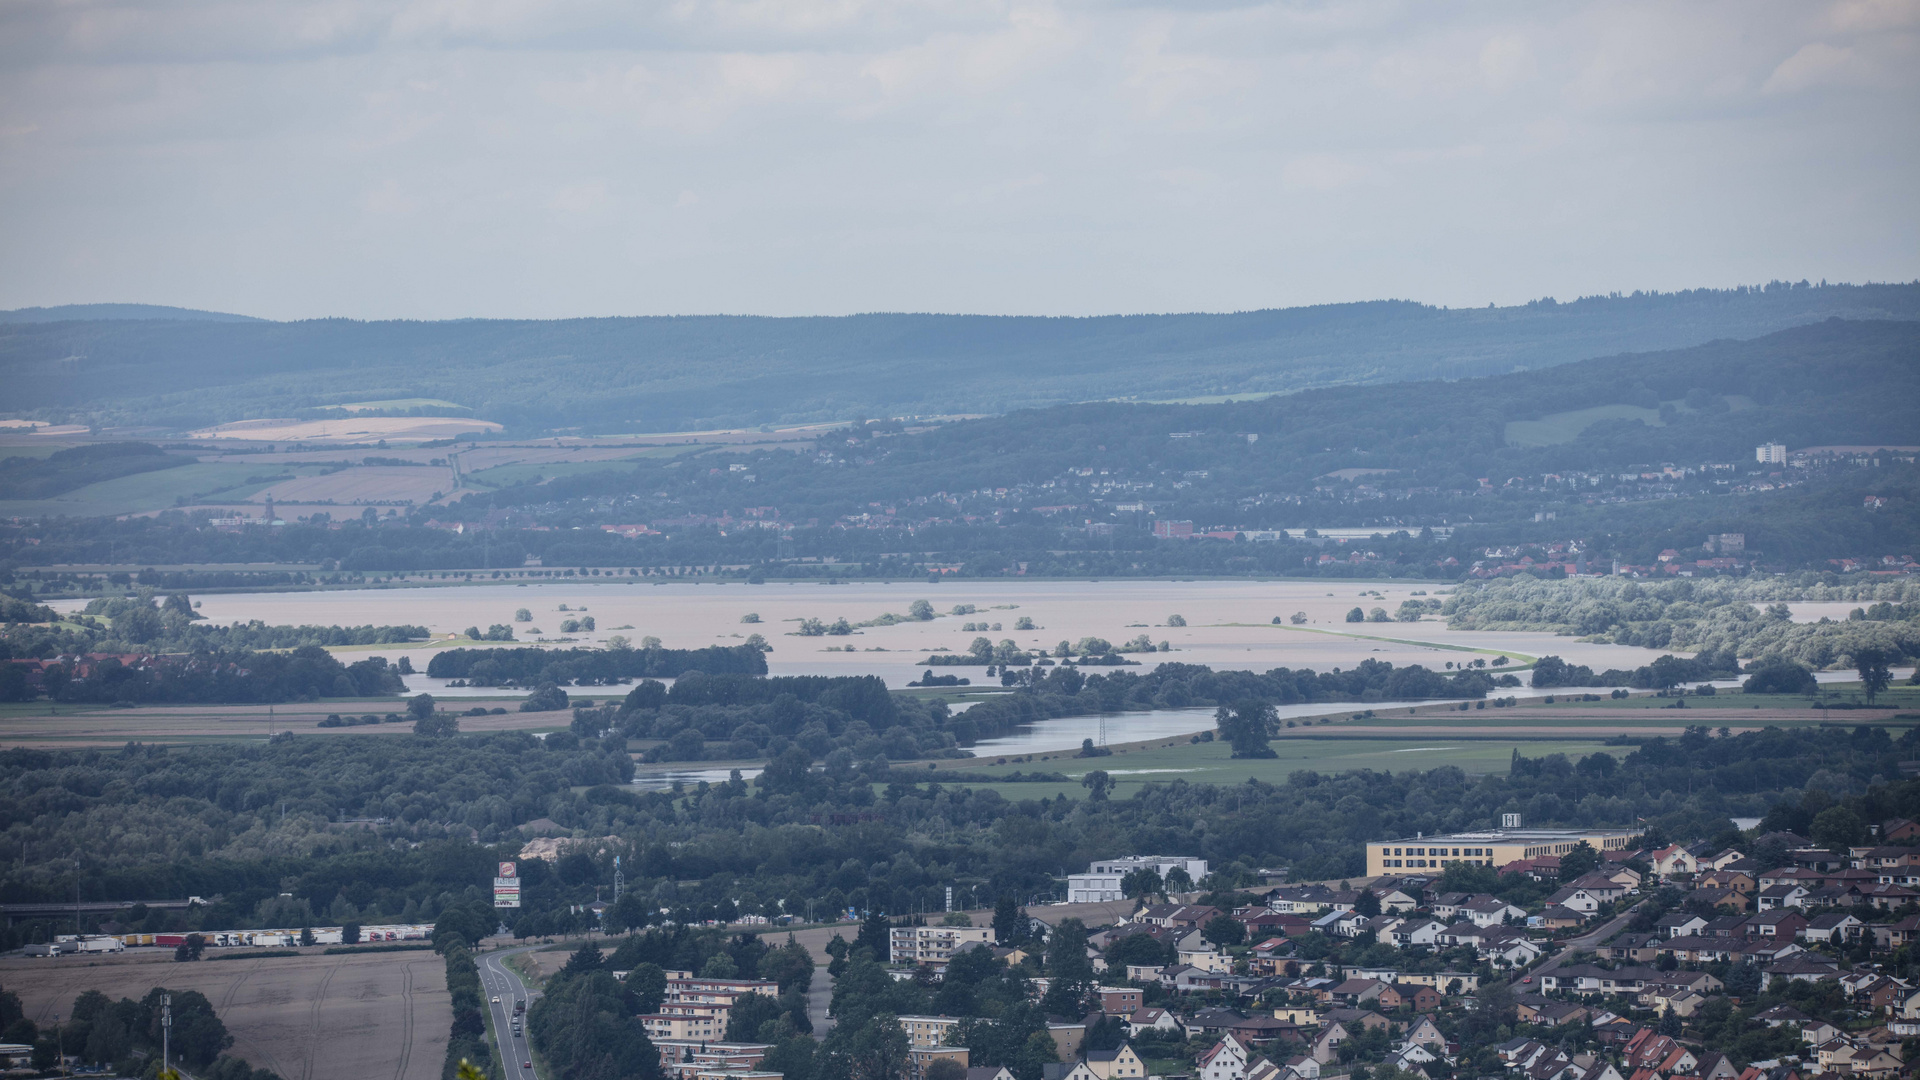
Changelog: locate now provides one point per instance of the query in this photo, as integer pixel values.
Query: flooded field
(1228, 623)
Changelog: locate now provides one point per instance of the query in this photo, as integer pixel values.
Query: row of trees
(126, 1035)
(222, 677)
(592, 667)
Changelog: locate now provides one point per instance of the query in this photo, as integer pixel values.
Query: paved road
(819, 997)
(498, 981)
(1584, 941)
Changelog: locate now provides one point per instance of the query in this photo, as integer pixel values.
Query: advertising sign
(506, 887)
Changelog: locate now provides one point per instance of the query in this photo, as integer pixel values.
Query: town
(1543, 954)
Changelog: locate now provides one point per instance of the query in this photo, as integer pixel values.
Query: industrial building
(1101, 882)
(1490, 847)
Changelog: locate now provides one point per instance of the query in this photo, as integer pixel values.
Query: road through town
(503, 987)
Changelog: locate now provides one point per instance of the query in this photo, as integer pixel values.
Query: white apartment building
(1101, 882)
(933, 944)
(927, 1031)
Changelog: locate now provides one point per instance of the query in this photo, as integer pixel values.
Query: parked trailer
(101, 944)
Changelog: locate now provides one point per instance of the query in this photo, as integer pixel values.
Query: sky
(530, 158)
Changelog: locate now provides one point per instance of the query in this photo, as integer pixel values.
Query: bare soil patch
(308, 1017)
(364, 484)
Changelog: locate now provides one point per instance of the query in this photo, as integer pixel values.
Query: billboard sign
(506, 886)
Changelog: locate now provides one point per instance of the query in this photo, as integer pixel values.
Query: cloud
(1813, 64)
(414, 157)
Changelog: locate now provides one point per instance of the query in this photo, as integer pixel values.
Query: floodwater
(1045, 737)
(1229, 623)
(1069, 733)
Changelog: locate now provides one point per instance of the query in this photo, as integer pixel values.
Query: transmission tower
(619, 880)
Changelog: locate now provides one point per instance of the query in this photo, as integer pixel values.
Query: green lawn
(33, 450)
(501, 476)
(1210, 763)
(160, 489)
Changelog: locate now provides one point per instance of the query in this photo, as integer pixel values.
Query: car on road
(526, 1064)
(496, 1000)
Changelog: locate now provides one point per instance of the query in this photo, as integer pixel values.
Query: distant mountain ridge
(91, 312)
(615, 375)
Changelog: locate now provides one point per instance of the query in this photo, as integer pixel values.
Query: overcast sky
(448, 158)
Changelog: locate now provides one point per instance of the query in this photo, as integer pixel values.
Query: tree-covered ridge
(1830, 384)
(1749, 618)
(618, 375)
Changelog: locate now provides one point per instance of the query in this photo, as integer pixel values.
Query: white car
(496, 1001)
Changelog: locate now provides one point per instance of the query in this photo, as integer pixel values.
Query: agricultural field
(357, 429)
(43, 725)
(1558, 428)
(161, 490)
(1433, 736)
(494, 455)
(307, 1017)
(1209, 762)
(398, 403)
(365, 484)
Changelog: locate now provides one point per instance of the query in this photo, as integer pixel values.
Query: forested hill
(632, 374)
(89, 312)
(1834, 383)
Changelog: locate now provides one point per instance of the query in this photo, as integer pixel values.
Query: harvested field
(400, 403)
(491, 456)
(221, 723)
(380, 484)
(308, 1017)
(414, 454)
(347, 430)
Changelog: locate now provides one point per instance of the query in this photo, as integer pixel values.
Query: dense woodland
(681, 373)
(241, 822)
